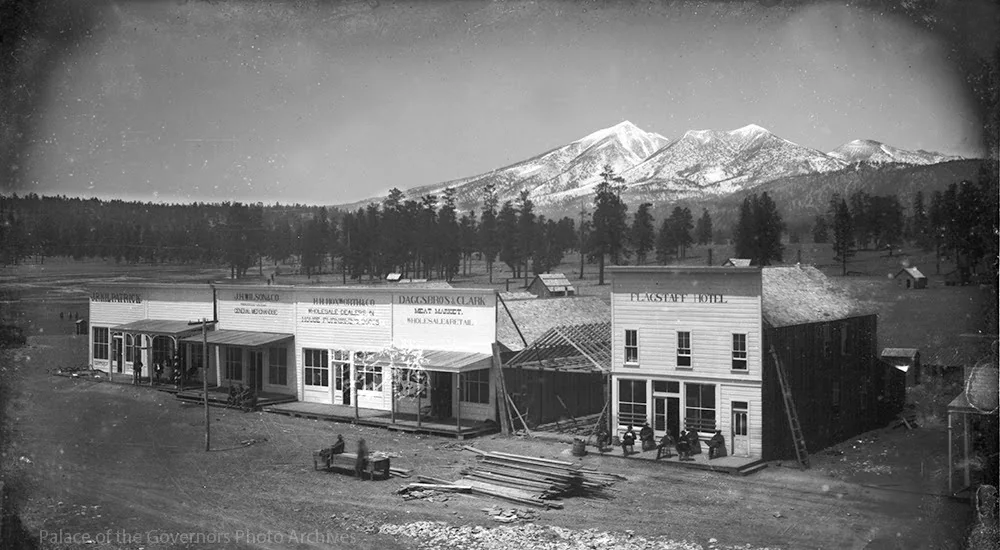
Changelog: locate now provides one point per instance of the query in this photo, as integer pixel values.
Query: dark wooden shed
(546, 285)
(910, 277)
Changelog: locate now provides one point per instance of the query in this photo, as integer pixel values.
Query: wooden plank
(438, 487)
(572, 465)
(474, 450)
(429, 479)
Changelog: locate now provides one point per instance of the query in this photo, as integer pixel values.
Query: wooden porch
(218, 396)
(727, 464)
(383, 419)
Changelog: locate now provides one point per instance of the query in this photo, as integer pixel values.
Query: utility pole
(204, 376)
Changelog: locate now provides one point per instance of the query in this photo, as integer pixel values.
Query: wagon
(376, 465)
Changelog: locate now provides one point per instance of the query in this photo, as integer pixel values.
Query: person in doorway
(717, 446)
(647, 438)
(136, 371)
(158, 371)
(628, 441)
(362, 460)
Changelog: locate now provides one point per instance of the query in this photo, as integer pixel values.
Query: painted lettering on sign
(343, 301)
(256, 297)
(255, 310)
(442, 300)
(118, 297)
(677, 298)
(356, 316)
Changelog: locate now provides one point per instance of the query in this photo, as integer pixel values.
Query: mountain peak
(750, 129)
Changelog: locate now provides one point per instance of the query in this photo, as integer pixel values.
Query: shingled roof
(536, 316)
(801, 295)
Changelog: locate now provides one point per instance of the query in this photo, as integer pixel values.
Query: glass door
(741, 429)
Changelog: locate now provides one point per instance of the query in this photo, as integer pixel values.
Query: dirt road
(126, 467)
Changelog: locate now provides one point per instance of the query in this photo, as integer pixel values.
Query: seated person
(647, 438)
(683, 445)
(663, 449)
(694, 442)
(717, 445)
(603, 439)
(628, 441)
(338, 446)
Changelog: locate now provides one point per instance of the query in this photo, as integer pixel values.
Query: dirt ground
(125, 467)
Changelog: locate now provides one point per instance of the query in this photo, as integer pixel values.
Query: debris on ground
(530, 536)
(510, 515)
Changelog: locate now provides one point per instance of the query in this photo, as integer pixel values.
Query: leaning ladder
(793, 418)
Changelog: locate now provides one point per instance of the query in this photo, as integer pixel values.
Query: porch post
(951, 468)
(354, 390)
(458, 404)
(392, 393)
(965, 443)
(420, 390)
(149, 364)
(111, 354)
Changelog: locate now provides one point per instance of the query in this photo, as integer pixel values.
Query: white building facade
(687, 352)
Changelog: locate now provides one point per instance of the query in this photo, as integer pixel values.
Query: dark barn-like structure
(839, 385)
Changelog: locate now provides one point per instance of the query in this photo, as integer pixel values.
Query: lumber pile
(525, 480)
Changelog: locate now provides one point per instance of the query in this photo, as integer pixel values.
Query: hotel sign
(677, 298)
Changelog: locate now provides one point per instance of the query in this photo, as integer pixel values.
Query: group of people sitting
(687, 444)
(242, 397)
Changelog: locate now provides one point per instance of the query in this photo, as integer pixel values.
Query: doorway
(741, 429)
(342, 382)
(118, 354)
(440, 394)
(667, 415)
(256, 375)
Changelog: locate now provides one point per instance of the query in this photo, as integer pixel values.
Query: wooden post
(420, 390)
(499, 392)
(951, 468)
(204, 383)
(392, 394)
(458, 405)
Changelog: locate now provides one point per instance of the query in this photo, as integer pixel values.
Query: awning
(445, 361)
(243, 338)
(158, 326)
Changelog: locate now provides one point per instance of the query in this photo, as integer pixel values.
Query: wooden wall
(839, 386)
(534, 392)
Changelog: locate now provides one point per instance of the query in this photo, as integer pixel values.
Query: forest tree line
(429, 238)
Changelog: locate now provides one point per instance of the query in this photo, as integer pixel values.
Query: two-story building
(691, 347)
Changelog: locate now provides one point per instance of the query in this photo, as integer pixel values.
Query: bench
(376, 464)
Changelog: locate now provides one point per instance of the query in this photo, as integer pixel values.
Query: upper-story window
(631, 347)
(739, 352)
(683, 349)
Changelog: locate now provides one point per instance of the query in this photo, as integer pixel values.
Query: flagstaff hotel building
(691, 348)
(309, 342)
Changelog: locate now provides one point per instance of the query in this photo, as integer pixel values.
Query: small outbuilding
(907, 360)
(736, 262)
(547, 285)
(911, 277)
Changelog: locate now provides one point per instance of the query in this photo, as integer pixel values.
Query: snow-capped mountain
(701, 163)
(876, 152)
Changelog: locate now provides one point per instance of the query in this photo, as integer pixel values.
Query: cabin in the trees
(911, 277)
(692, 347)
(547, 285)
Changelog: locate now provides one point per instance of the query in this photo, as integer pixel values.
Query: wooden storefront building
(692, 347)
(404, 350)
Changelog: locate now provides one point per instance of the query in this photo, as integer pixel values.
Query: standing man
(136, 371)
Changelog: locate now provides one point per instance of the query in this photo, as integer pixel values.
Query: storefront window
(370, 377)
(412, 382)
(699, 412)
(161, 350)
(197, 356)
(475, 386)
(131, 348)
(101, 335)
(632, 402)
(277, 366)
(316, 367)
(234, 363)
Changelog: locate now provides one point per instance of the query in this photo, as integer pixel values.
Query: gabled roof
(535, 317)
(803, 294)
(912, 271)
(736, 262)
(584, 347)
(557, 282)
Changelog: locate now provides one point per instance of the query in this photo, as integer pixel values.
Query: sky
(332, 102)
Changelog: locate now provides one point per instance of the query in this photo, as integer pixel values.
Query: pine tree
(843, 231)
(643, 235)
(525, 230)
(609, 222)
(703, 231)
(758, 230)
(489, 243)
(820, 232)
(507, 237)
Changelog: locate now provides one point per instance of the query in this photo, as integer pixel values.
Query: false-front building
(404, 348)
(691, 347)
